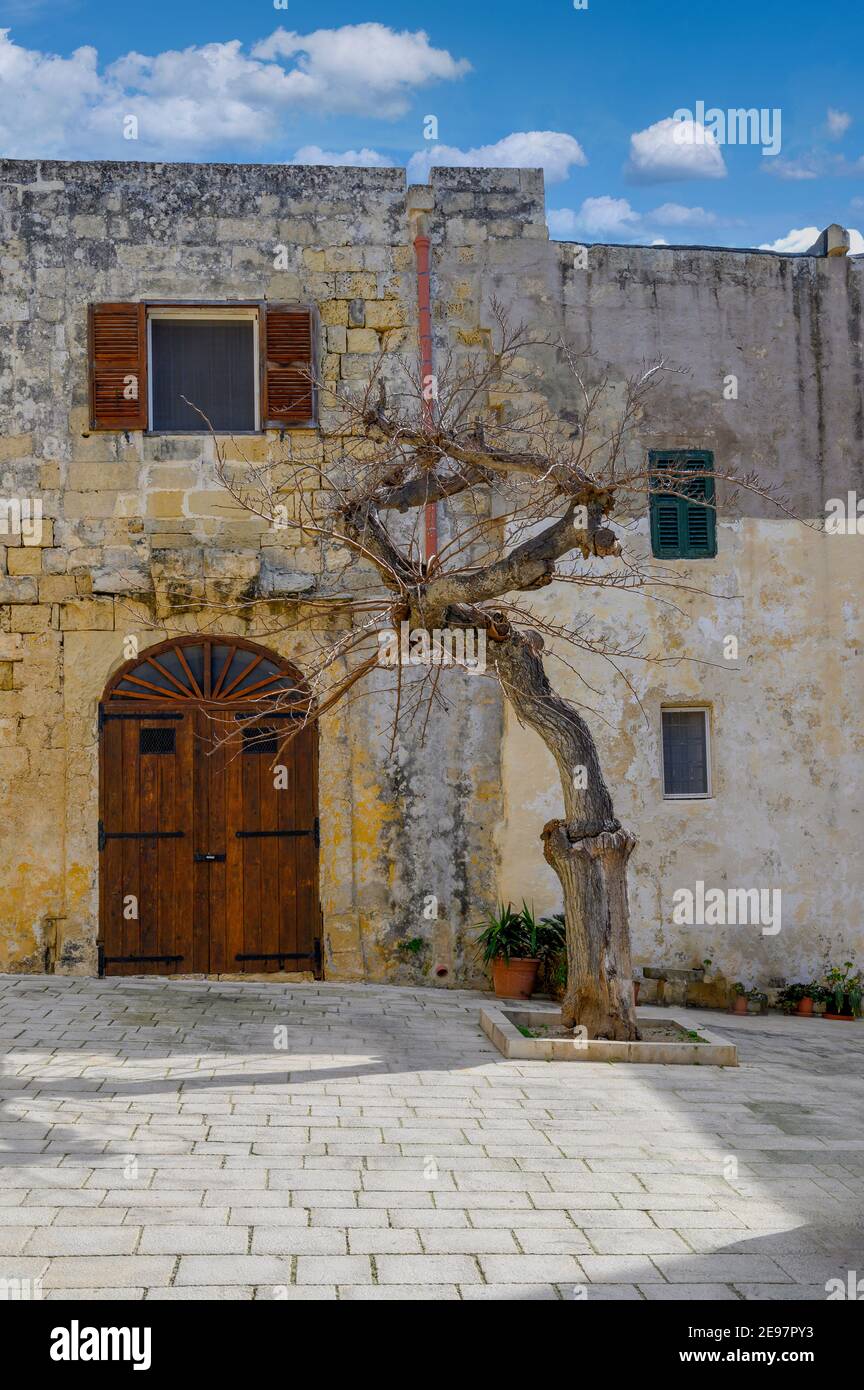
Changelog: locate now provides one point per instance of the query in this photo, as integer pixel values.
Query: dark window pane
(685, 753)
(259, 739)
(156, 740)
(146, 672)
(212, 365)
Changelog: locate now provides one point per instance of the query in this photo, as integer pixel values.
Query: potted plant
(739, 1003)
(799, 999)
(843, 992)
(757, 999)
(505, 945)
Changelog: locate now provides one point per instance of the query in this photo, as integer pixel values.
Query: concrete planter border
(499, 1023)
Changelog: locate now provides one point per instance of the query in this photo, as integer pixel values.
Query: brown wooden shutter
(289, 397)
(118, 366)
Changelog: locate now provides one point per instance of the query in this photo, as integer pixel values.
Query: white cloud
(615, 217)
(550, 150)
(606, 214)
(674, 149)
(347, 69)
(191, 102)
(370, 159)
(802, 238)
(807, 167)
(799, 239)
(676, 215)
(838, 123)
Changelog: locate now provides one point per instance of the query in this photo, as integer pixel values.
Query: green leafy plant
(412, 947)
(503, 936)
(554, 957)
(842, 989)
(738, 988)
(791, 995)
(509, 933)
(756, 996)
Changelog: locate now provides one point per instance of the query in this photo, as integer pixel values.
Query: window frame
(206, 312)
(695, 708)
(704, 457)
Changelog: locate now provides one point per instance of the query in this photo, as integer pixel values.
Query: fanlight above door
(210, 669)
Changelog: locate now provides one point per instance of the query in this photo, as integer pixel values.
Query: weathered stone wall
(787, 743)
(134, 525)
(137, 529)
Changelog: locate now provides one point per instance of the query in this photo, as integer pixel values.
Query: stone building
(738, 774)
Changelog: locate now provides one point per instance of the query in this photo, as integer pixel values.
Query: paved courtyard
(192, 1139)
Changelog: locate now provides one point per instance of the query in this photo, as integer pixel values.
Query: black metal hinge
(104, 716)
(269, 714)
(106, 835)
(138, 960)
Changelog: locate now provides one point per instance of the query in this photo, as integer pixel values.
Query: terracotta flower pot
(739, 1004)
(515, 978)
(805, 1007)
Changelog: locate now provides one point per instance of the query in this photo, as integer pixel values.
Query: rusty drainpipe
(424, 306)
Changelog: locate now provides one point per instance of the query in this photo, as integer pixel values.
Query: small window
(682, 510)
(156, 740)
(259, 739)
(207, 362)
(244, 367)
(686, 753)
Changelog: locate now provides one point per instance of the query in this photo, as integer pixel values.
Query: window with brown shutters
(118, 366)
(289, 394)
(183, 368)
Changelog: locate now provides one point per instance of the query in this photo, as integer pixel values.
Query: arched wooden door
(208, 830)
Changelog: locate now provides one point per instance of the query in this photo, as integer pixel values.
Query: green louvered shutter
(682, 528)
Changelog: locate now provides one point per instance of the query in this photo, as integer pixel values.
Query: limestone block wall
(139, 539)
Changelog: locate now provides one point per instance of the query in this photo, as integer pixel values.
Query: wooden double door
(208, 834)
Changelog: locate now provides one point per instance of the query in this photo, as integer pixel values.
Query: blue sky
(588, 93)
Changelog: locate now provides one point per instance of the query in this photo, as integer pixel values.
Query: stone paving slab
(154, 1144)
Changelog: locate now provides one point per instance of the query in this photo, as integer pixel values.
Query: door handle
(209, 858)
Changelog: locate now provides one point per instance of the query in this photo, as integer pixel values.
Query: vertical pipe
(424, 306)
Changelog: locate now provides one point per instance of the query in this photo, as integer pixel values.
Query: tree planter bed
(502, 1026)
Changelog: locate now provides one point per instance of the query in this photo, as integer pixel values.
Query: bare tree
(529, 499)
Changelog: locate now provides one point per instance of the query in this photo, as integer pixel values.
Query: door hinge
(139, 960)
(316, 831)
(138, 835)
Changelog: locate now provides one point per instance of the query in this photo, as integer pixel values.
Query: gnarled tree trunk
(588, 850)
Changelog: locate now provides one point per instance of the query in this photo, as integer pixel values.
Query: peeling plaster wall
(787, 737)
(454, 819)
